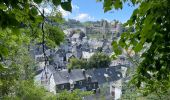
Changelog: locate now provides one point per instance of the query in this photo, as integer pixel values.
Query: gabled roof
(100, 75)
(64, 76)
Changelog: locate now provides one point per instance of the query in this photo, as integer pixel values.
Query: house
(107, 50)
(78, 52)
(85, 80)
(46, 79)
(85, 46)
(69, 56)
(75, 79)
(116, 89)
(104, 76)
(92, 79)
(95, 44)
(86, 55)
(59, 59)
(75, 37)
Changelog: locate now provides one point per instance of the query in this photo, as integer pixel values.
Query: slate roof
(76, 36)
(63, 76)
(61, 52)
(95, 44)
(99, 74)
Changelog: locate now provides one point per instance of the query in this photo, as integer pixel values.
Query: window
(94, 85)
(89, 78)
(89, 86)
(62, 86)
(72, 86)
(118, 75)
(80, 82)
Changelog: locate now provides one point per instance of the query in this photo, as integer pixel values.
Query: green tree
(150, 39)
(18, 66)
(99, 60)
(22, 23)
(77, 64)
(74, 95)
(27, 90)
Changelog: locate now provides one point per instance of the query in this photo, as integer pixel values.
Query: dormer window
(107, 69)
(106, 75)
(71, 86)
(118, 75)
(89, 78)
(71, 83)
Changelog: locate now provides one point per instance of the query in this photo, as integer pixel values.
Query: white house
(116, 89)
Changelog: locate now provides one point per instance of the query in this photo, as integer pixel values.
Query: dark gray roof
(61, 52)
(63, 76)
(98, 74)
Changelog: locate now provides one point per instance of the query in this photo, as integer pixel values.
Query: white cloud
(75, 14)
(83, 17)
(75, 7)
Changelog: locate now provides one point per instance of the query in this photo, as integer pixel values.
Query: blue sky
(85, 10)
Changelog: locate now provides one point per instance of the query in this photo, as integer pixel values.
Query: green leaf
(2, 68)
(139, 47)
(114, 57)
(122, 42)
(116, 48)
(2, 6)
(118, 4)
(67, 5)
(107, 5)
(114, 44)
(39, 19)
(56, 2)
(133, 1)
(34, 11)
(38, 1)
(3, 51)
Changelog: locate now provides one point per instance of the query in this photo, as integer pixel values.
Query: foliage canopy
(150, 40)
(23, 23)
(97, 60)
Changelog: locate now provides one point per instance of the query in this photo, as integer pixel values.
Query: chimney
(107, 69)
(84, 72)
(69, 70)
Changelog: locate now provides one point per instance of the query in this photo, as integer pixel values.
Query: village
(57, 77)
(84, 49)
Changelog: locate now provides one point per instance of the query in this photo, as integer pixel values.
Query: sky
(90, 10)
